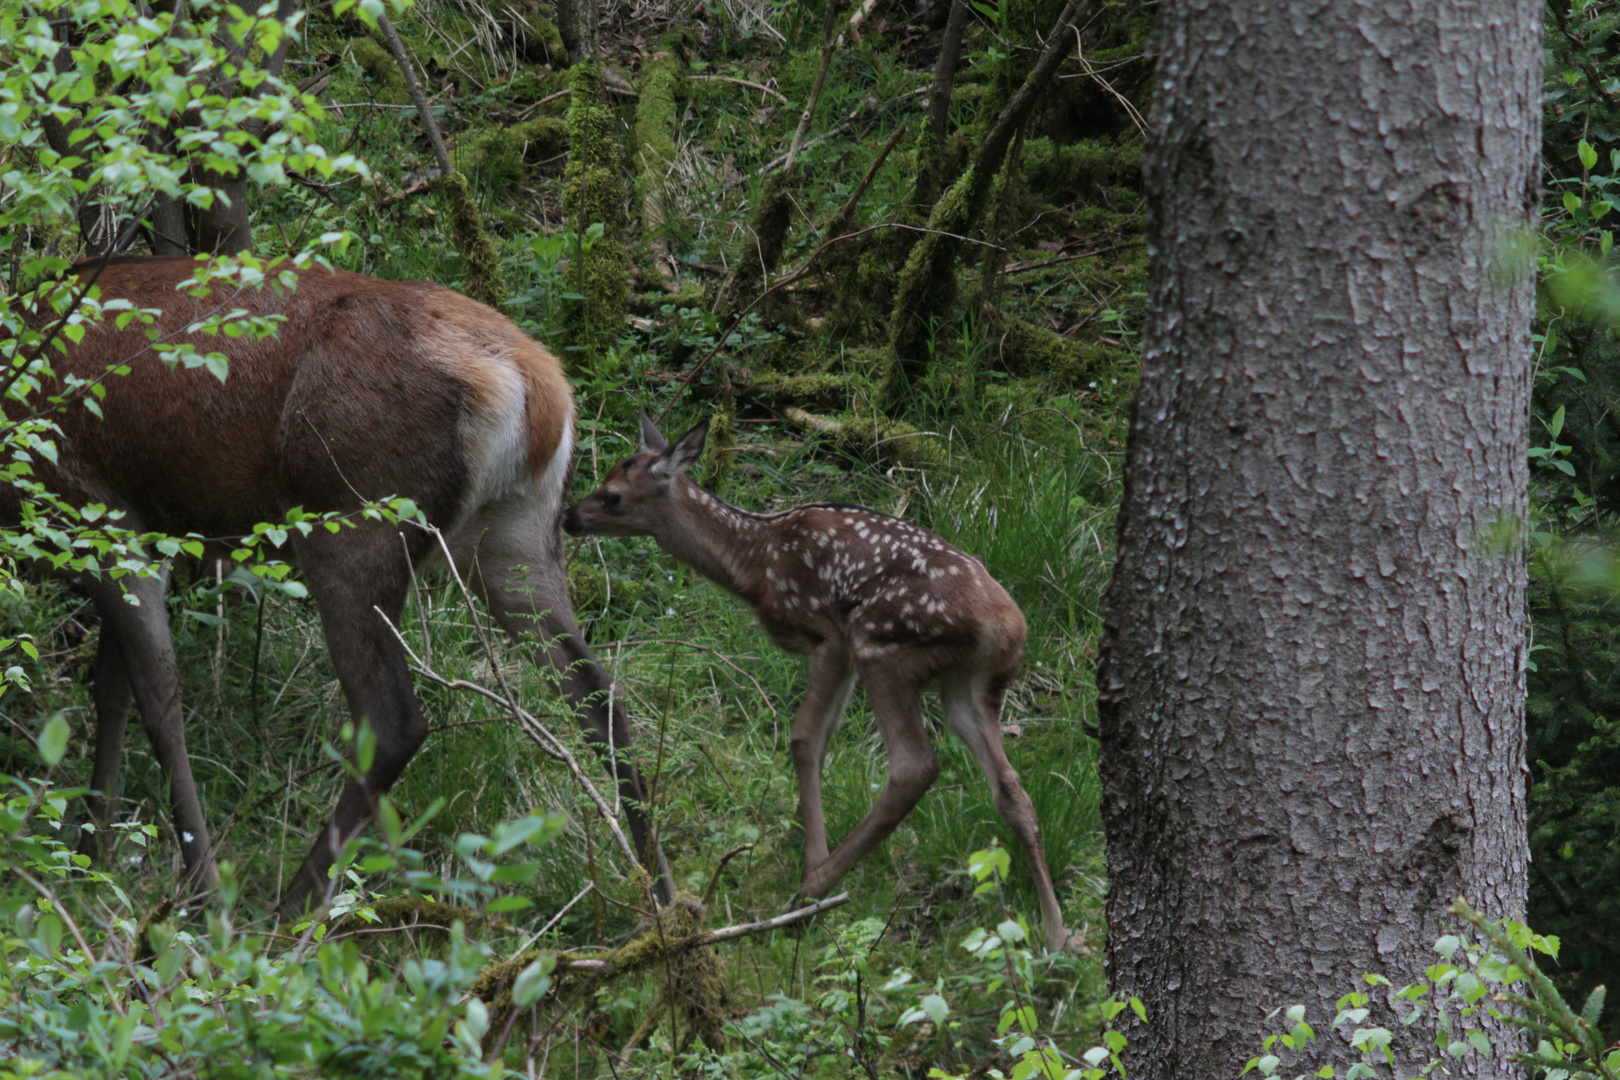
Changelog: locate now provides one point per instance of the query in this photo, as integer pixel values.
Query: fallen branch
(603, 967)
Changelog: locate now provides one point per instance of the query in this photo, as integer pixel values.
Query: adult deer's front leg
(359, 585)
(113, 700)
(142, 632)
(832, 681)
(897, 706)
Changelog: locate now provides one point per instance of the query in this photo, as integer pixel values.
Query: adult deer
(370, 389)
(867, 596)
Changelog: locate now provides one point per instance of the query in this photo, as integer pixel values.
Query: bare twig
(1130, 110)
(714, 879)
(950, 50)
(828, 21)
(531, 726)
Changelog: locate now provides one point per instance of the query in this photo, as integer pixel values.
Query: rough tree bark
(1311, 678)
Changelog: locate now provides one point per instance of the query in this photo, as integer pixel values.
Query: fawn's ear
(652, 440)
(684, 454)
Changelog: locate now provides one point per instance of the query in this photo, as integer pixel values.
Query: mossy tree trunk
(927, 287)
(594, 199)
(865, 271)
(661, 85)
(577, 25)
(762, 245)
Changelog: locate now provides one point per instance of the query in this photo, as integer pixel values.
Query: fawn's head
(635, 495)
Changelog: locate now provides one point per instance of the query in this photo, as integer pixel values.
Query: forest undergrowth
(1008, 445)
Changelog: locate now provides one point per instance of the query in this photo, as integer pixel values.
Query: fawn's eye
(610, 499)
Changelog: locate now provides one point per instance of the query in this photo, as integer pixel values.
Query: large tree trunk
(1311, 679)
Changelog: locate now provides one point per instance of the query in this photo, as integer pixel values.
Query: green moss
(381, 71)
(927, 285)
(659, 87)
(484, 281)
(722, 443)
(593, 194)
(818, 390)
(498, 156)
(1084, 170)
(590, 591)
(535, 36)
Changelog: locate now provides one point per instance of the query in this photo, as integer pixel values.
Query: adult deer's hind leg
(517, 567)
(972, 702)
(141, 629)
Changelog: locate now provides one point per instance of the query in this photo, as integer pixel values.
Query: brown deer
(370, 389)
(867, 597)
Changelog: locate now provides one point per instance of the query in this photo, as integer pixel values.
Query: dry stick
(848, 209)
(775, 163)
(827, 22)
(548, 743)
(761, 87)
(725, 933)
(1130, 110)
(719, 867)
(423, 109)
(853, 29)
(531, 726)
(718, 655)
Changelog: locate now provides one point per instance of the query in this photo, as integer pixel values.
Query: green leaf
(54, 739)
(1572, 201)
(533, 982)
(1557, 424)
(1588, 155)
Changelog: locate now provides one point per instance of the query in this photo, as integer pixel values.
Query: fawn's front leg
(832, 682)
(913, 767)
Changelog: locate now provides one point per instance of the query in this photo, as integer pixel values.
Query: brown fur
(370, 389)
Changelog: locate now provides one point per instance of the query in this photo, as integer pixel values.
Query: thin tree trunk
(950, 51)
(225, 228)
(1311, 678)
